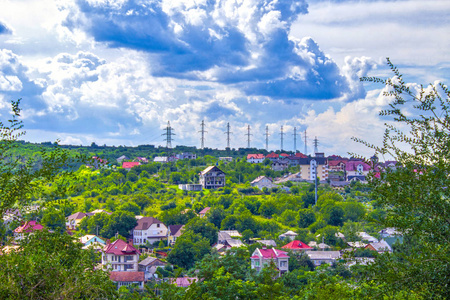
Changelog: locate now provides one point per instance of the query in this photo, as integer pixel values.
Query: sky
(116, 72)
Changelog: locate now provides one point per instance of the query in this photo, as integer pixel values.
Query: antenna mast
(228, 135)
(168, 135)
(295, 139)
(203, 135)
(248, 136)
(267, 138)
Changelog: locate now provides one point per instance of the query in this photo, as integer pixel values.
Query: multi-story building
(150, 230)
(120, 256)
(311, 167)
(212, 178)
(263, 257)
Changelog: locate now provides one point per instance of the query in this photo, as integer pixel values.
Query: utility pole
(228, 135)
(203, 134)
(267, 138)
(295, 139)
(168, 135)
(306, 144)
(316, 146)
(248, 136)
(282, 135)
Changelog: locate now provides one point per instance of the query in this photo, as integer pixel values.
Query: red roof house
(124, 278)
(255, 158)
(120, 256)
(130, 164)
(273, 156)
(263, 257)
(204, 211)
(296, 246)
(120, 247)
(29, 226)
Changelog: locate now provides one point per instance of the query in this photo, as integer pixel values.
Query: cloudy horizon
(115, 72)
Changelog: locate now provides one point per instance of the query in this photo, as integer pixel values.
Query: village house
(263, 257)
(192, 187)
(186, 155)
(127, 165)
(212, 178)
(150, 230)
(27, 227)
(149, 266)
(337, 165)
(128, 279)
(120, 256)
(280, 164)
(74, 220)
(255, 158)
(175, 231)
(288, 235)
(380, 247)
(122, 158)
(203, 212)
(226, 242)
(140, 159)
(323, 257)
(262, 182)
(92, 241)
(357, 170)
(296, 246)
(161, 159)
(273, 156)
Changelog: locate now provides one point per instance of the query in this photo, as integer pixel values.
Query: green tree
(416, 194)
(306, 217)
(54, 219)
(203, 227)
(189, 248)
(120, 222)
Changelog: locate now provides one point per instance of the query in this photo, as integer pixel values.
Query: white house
(255, 158)
(150, 230)
(212, 177)
(262, 182)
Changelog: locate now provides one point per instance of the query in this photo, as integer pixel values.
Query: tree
(54, 220)
(416, 194)
(306, 217)
(189, 248)
(119, 222)
(204, 228)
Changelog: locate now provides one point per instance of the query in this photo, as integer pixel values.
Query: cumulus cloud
(242, 43)
(4, 29)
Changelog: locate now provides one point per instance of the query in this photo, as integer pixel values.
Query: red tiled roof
(76, 216)
(126, 276)
(255, 156)
(273, 253)
(204, 211)
(130, 164)
(272, 155)
(336, 162)
(296, 245)
(284, 155)
(29, 226)
(120, 247)
(145, 222)
(298, 154)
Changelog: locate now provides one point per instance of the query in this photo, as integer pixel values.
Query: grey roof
(323, 254)
(147, 261)
(268, 242)
(381, 246)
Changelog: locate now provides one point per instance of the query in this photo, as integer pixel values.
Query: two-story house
(255, 158)
(212, 178)
(357, 170)
(120, 256)
(26, 228)
(150, 230)
(74, 220)
(263, 257)
(262, 182)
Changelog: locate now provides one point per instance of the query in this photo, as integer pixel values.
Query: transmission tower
(267, 138)
(295, 139)
(228, 135)
(248, 136)
(306, 144)
(282, 135)
(316, 145)
(203, 134)
(168, 135)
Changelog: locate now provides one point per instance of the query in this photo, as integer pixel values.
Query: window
(157, 225)
(257, 263)
(283, 264)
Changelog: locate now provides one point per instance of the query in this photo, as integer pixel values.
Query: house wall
(155, 232)
(114, 262)
(212, 180)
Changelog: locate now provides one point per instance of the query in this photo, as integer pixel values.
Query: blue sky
(114, 72)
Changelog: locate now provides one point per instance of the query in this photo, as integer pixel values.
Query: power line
(248, 136)
(168, 135)
(228, 135)
(202, 139)
(282, 135)
(295, 139)
(267, 138)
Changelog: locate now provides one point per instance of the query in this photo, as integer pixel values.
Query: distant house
(190, 187)
(288, 234)
(27, 227)
(120, 256)
(280, 164)
(74, 220)
(90, 240)
(175, 231)
(122, 158)
(130, 164)
(143, 160)
(311, 167)
(225, 242)
(128, 278)
(149, 266)
(150, 230)
(226, 159)
(296, 245)
(389, 232)
(186, 155)
(273, 156)
(263, 257)
(97, 211)
(203, 212)
(161, 159)
(380, 247)
(337, 165)
(321, 246)
(323, 257)
(255, 158)
(212, 177)
(357, 170)
(357, 244)
(262, 182)
(366, 237)
(183, 281)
